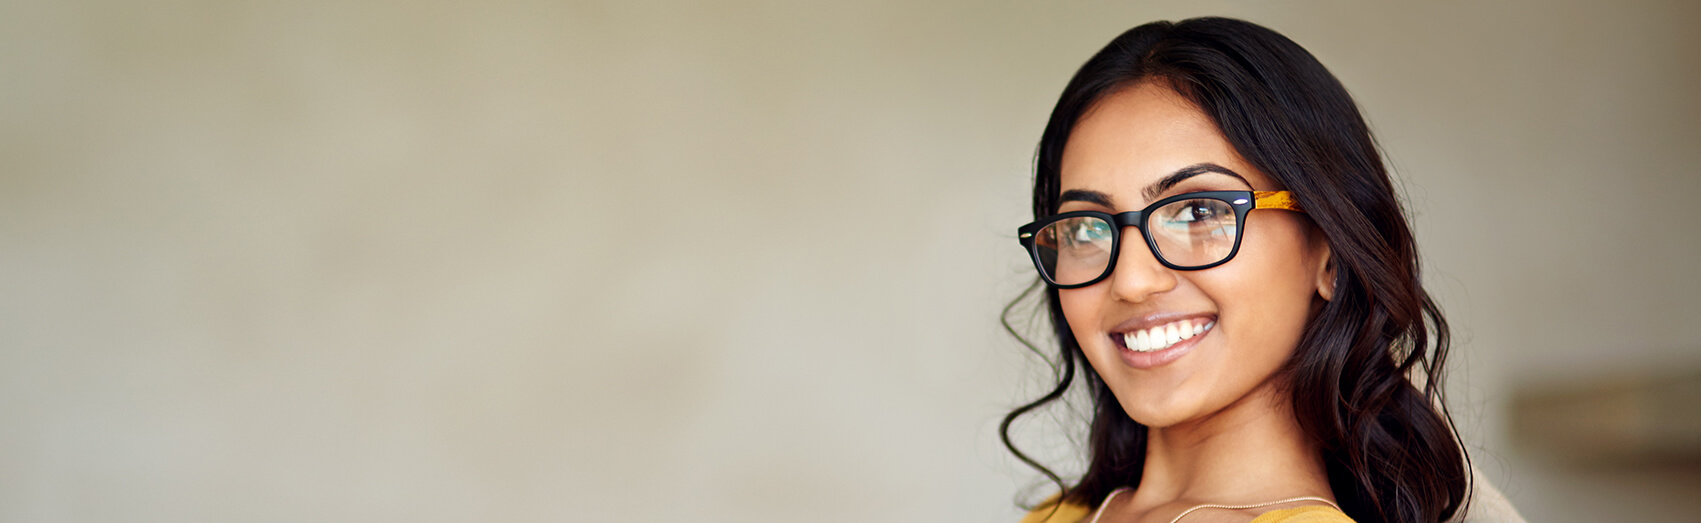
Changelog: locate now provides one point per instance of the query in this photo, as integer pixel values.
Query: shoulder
(1312, 514)
(1055, 513)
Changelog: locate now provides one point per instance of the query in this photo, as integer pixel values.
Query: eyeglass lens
(1187, 233)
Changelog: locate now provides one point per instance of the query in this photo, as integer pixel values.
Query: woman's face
(1255, 306)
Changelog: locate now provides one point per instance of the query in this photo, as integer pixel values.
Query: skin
(1222, 430)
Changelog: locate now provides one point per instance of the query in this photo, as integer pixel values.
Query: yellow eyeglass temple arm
(1275, 200)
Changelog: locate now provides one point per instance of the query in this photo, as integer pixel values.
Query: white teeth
(1163, 336)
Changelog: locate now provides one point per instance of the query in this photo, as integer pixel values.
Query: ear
(1325, 272)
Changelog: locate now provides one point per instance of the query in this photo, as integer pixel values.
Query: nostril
(1136, 276)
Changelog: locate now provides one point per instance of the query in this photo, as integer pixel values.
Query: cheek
(1272, 290)
(1081, 309)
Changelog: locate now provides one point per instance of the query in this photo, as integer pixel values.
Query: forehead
(1137, 135)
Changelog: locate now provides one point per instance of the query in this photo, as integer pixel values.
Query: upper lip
(1148, 321)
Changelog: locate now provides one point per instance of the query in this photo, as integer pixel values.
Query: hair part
(1389, 445)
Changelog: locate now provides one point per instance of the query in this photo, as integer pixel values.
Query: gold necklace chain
(1240, 507)
(1113, 494)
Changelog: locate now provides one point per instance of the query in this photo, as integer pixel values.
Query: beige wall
(522, 261)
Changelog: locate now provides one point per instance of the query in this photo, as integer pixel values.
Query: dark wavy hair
(1389, 446)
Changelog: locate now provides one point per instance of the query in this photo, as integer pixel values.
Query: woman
(1227, 267)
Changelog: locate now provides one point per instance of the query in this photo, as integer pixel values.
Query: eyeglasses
(1186, 232)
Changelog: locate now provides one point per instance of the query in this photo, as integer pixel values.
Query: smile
(1163, 336)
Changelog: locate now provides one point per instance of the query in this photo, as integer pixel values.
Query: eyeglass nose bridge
(1133, 219)
(1137, 220)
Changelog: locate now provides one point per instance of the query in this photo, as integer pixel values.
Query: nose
(1138, 273)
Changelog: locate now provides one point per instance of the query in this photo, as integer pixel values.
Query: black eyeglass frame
(1241, 201)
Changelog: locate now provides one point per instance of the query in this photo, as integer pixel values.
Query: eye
(1091, 231)
(1195, 212)
(1081, 232)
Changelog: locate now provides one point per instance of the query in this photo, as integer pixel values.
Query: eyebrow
(1164, 184)
(1156, 188)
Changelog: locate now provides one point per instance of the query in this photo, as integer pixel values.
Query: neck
(1252, 451)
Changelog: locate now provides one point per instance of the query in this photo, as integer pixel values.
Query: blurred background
(743, 261)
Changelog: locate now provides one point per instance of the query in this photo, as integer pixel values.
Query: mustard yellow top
(1072, 513)
(1307, 514)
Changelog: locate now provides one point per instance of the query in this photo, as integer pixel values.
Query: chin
(1159, 410)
